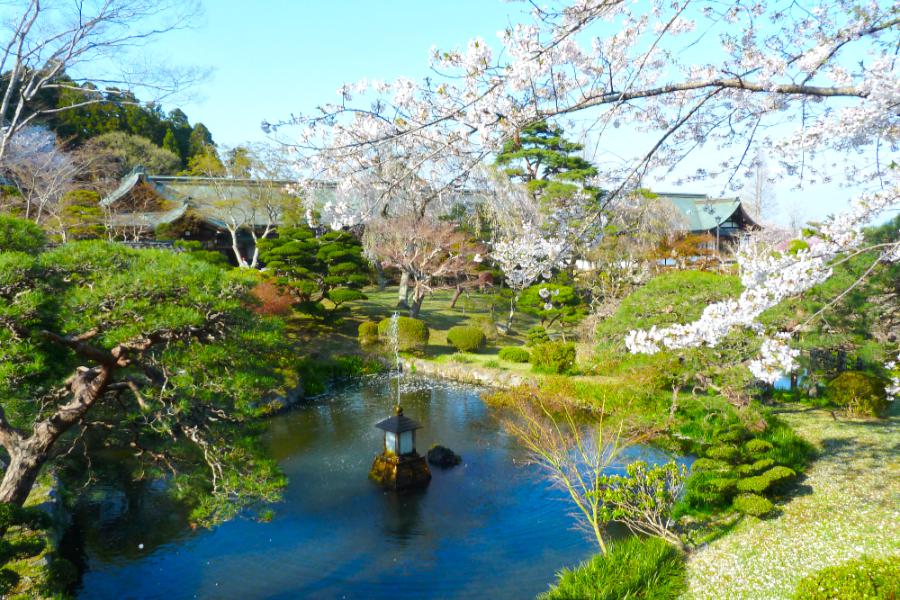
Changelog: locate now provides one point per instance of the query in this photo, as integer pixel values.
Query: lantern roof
(398, 423)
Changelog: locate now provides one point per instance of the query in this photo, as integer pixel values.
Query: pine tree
(170, 143)
(547, 163)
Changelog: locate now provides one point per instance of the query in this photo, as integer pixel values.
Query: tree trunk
(24, 465)
(379, 276)
(456, 296)
(512, 312)
(416, 306)
(403, 291)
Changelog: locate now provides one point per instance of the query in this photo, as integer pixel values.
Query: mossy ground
(847, 506)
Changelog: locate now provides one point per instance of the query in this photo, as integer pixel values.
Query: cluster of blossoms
(769, 278)
(893, 389)
(529, 256)
(547, 296)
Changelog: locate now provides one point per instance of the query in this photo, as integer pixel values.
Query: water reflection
(488, 527)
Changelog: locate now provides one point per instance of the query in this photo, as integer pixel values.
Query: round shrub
(756, 467)
(412, 334)
(861, 394)
(368, 331)
(466, 338)
(752, 504)
(536, 335)
(755, 485)
(778, 475)
(725, 452)
(515, 354)
(757, 446)
(704, 465)
(20, 235)
(553, 357)
(863, 577)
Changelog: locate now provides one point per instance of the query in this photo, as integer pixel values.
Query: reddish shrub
(272, 301)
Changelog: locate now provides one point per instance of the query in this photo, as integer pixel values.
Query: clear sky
(272, 58)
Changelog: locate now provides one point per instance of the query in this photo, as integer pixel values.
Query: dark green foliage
(675, 297)
(549, 165)
(536, 335)
(760, 483)
(565, 306)
(725, 452)
(196, 251)
(465, 338)
(191, 321)
(752, 504)
(368, 332)
(515, 354)
(861, 394)
(755, 468)
(312, 269)
(553, 358)
(710, 465)
(81, 215)
(412, 334)
(789, 449)
(632, 568)
(20, 235)
(316, 375)
(8, 580)
(865, 577)
(756, 447)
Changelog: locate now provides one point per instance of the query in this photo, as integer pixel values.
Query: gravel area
(848, 505)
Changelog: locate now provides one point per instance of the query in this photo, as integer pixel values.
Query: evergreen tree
(170, 143)
(199, 141)
(547, 163)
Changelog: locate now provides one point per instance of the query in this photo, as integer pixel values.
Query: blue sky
(272, 58)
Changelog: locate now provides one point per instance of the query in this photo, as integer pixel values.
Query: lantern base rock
(400, 472)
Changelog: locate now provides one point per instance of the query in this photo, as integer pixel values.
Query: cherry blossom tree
(816, 89)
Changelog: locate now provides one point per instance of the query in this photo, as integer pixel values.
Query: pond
(490, 527)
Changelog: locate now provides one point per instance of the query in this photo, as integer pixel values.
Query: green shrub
(778, 475)
(724, 486)
(412, 334)
(368, 331)
(20, 235)
(732, 436)
(860, 394)
(788, 448)
(752, 504)
(492, 364)
(632, 568)
(466, 338)
(725, 452)
(757, 446)
(536, 335)
(515, 354)
(757, 484)
(863, 577)
(700, 494)
(553, 357)
(755, 468)
(709, 464)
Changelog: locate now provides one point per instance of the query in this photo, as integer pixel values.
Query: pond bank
(846, 507)
(467, 373)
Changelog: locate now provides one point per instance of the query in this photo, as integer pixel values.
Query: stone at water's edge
(441, 456)
(400, 472)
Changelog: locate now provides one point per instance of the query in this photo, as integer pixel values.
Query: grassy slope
(846, 507)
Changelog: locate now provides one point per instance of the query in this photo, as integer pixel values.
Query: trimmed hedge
(725, 452)
(536, 335)
(861, 394)
(757, 446)
(553, 357)
(412, 334)
(368, 331)
(864, 577)
(515, 354)
(753, 504)
(466, 338)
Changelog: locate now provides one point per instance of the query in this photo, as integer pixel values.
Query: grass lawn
(471, 309)
(848, 505)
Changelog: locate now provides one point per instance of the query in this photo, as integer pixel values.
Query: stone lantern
(399, 466)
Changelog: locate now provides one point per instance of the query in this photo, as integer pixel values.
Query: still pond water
(491, 527)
